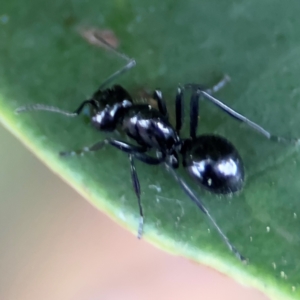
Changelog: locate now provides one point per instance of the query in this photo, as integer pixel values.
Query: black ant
(210, 159)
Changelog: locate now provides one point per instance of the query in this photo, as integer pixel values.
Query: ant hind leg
(202, 207)
(234, 114)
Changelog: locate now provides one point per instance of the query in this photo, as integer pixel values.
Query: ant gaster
(210, 159)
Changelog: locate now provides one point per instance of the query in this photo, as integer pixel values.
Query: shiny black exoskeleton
(215, 163)
(147, 126)
(210, 159)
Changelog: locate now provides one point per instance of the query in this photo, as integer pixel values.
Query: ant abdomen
(215, 163)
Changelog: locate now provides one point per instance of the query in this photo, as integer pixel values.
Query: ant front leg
(136, 184)
(134, 152)
(179, 109)
(219, 85)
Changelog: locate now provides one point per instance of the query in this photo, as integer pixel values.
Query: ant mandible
(210, 159)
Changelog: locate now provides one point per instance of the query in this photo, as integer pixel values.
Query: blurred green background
(55, 246)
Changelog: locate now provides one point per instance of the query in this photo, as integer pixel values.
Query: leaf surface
(43, 59)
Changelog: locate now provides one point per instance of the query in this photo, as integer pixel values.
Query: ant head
(109, 105)
(108, 117)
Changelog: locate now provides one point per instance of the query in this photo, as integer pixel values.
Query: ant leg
(134, 152)
(242, 118)
(194, 103)
(136, 184)
(179, 109)
(201, 206)
(130, 62)
(125, 147)
(157, 95)
(217, 87)
(136, 187)
(194, 113)
(93, 148)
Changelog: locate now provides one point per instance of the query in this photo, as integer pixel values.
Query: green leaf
(43, 59)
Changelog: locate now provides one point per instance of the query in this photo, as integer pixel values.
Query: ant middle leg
(137, 190)
(134, 152)
(219, 85)
(214, 89)
(194, 103)
(194, 111)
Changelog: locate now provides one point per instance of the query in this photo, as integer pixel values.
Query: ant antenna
(130, 61)
(37, 107)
